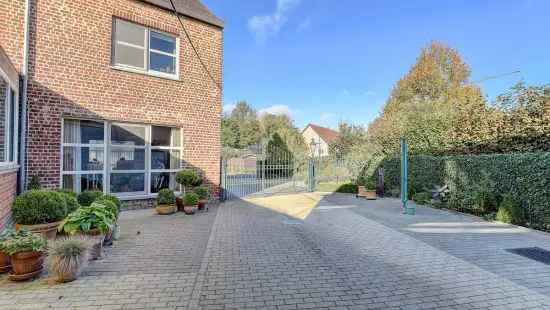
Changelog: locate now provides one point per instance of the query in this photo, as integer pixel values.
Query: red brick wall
(8, 187)
(70, 75)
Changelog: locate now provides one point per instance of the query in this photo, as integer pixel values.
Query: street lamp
(313, 146)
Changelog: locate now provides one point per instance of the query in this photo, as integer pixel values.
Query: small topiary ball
(190, 199)
(166, 197)
(86, 198)
(39, 207)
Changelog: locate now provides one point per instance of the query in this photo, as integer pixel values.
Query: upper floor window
(138, 48)
(8, 123)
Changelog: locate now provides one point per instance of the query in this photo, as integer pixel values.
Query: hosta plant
(23, 241)
(67, 258)
(96, 216)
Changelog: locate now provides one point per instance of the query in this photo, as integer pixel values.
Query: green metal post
(404, 178)
(311, 175)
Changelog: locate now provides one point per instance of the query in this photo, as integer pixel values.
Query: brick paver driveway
(346, 254)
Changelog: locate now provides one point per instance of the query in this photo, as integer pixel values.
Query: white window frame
(147, 50)
(108, 146)
(168, 148)
(11, 137)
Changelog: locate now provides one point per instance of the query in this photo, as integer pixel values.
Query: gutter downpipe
(24, 97)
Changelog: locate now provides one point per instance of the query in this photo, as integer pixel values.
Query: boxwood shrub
(86, 198)
(347, 188)
(525, 176)
(39, 207)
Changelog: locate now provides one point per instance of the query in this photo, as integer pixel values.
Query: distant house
(319, 139)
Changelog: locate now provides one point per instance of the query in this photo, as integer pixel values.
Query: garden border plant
(40, 211)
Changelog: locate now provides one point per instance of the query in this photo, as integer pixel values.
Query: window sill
(148, 73)
(128, 197)
(8, 167)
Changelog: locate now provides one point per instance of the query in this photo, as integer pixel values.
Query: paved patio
(345, 254)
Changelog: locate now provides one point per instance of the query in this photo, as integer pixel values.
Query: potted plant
(203, 194)
(93, 221)
(40, 211)
(366, 187)
(86, 198)
(187, 178)
(67, 258)
(166, 202)
(111, 207)
(26, 254)
(5, 261)
(190, 203)
(118, 203)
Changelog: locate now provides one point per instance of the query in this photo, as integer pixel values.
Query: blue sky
(329, 61)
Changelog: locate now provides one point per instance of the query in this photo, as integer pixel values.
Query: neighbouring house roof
(191, 8)
(328, 135)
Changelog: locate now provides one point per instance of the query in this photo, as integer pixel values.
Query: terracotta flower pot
(26, 262)
(202, 204)
(48, 231)
(179, 204)
(189, 210)
(165, 209)
(371, 194)
(5, 262)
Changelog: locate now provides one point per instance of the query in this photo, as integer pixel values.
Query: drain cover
(534, 253)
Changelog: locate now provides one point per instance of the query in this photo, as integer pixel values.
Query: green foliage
(166, 197)
(109, 205)
(34, 183)
(422, 198)
(86, 218)
(86, 198)
(67, 191)
(70, 200)
(504, 215)
(510, 204)
(202, 192)
(39, 207)
(68, 248)
(369, 182)
(188, 178)
(525, 176)
(190, 199)
(22, 241)
(395, 192)
(347, 188)
(114, 199)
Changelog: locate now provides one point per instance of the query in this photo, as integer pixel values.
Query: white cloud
(264, 26)
(305, 25)
(228, 108)
(279, 109)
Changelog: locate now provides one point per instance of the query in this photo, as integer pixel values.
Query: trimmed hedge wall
(526, 176)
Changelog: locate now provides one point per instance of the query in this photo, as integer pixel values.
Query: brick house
(109, 95)
(320, 139)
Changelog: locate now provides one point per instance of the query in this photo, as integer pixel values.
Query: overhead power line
(494, 77)
(193, 46)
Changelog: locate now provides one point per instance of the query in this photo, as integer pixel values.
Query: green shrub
(190, 199)
(202, 192)
(115, 200)
(188, 178)
(166, 197)
(369, 182)
(86, 218)
(39, 207)
(347, 188)
(22, 241)
(67, 191)
(504, 215)
(70, 200)
(34, 183)
(484, 201)
(86, 198)
(525, 175)
(422, 198)
(109, 205)
(395, 192)
(512, 207)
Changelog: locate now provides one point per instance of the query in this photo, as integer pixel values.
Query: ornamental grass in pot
(190, 203)
(203, 194)
(166, 202)
(40, 211)
(93, 221)
(26, 251)
(67, 258)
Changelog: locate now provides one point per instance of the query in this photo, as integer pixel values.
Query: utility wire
(495, 76)
(193, 46)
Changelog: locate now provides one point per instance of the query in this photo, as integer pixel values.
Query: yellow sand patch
(295, 205)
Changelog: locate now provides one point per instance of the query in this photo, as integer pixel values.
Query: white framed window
(128, 160)
(9, 115)
(141, 49)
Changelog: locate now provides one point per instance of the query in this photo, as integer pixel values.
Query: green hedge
(526, 176)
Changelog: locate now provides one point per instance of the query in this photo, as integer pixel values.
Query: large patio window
(128, 160)
(8, 123)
